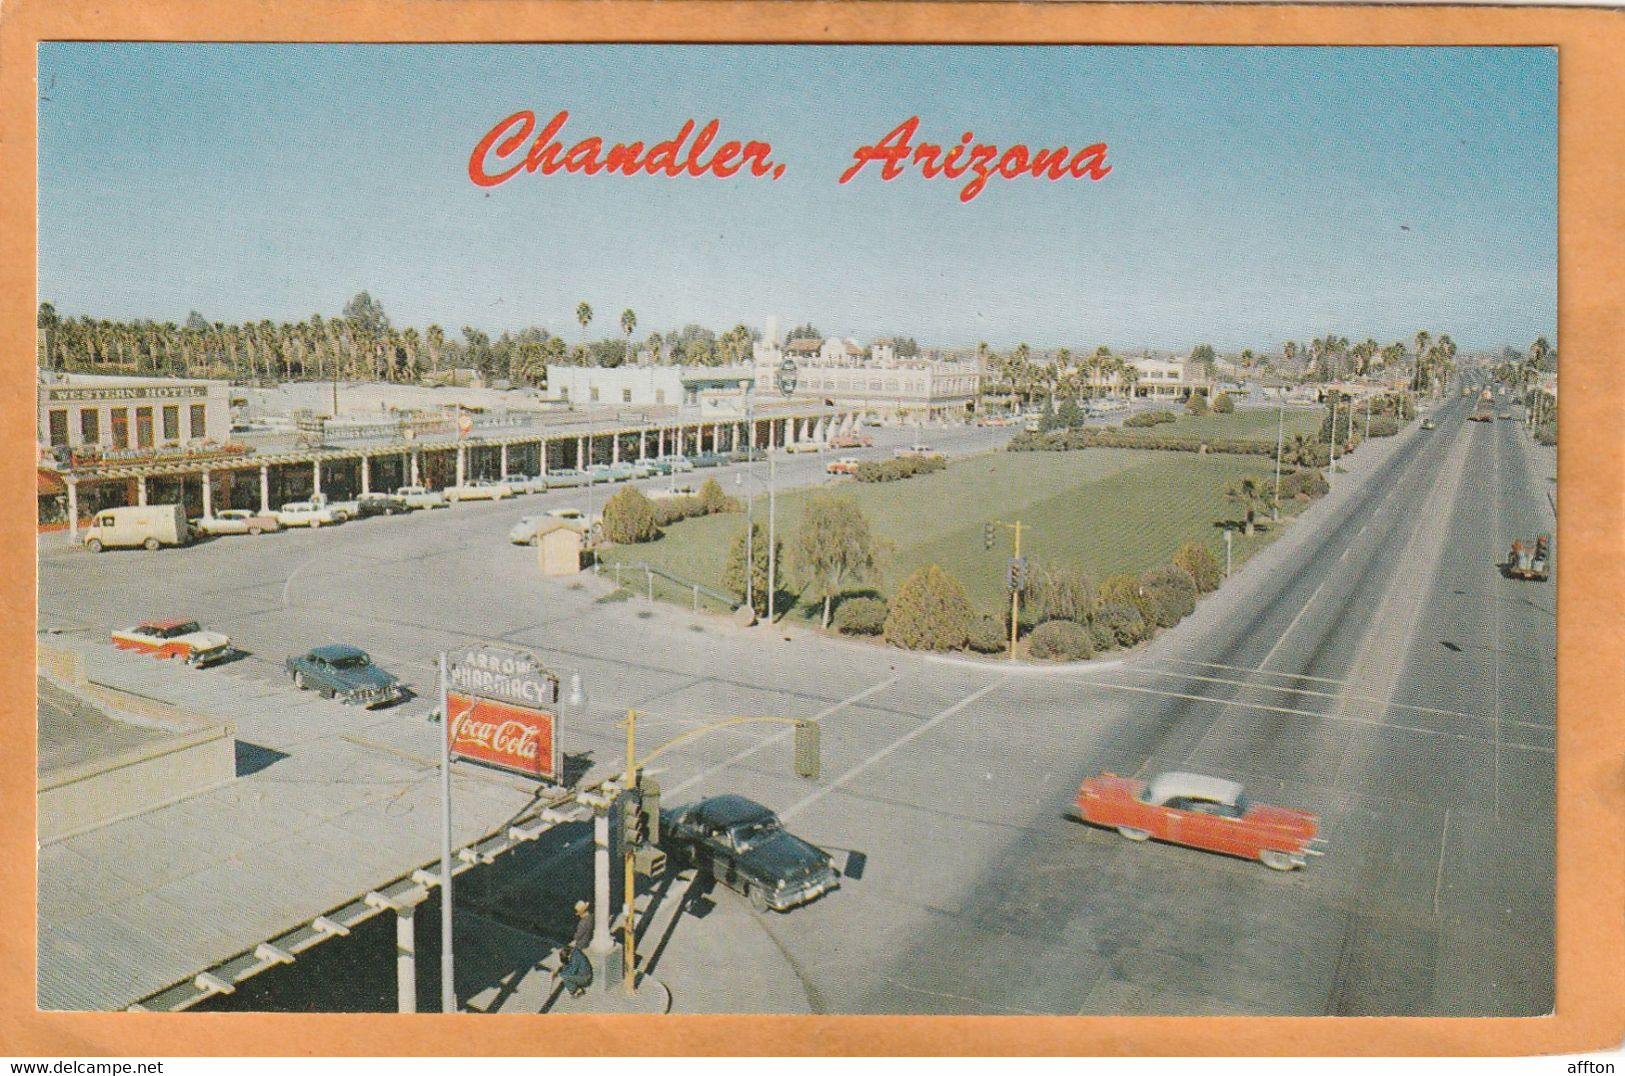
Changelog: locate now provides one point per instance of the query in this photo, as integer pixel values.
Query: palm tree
(1097, 363)
(629, 321)
(1249, 493)
(47, 322)
(1289, 351)
(1423, 338)
(583, 315)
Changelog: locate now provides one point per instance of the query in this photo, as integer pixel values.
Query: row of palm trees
(1067, 376)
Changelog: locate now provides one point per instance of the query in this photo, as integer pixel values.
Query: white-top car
(525, 531)
(520, 483)
(421, 497)
(304, 514)
(237, 521)
(479, 489)
(675, 463)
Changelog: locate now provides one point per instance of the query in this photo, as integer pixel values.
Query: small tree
(833, 546)
(713, 500)
(1170, 594)
(733, 573)
(1059, 593)
(1196, 404)
(1249, 493)
(629, 517)
(1200, 565)
(930, 611)
(860, 616)
(1223, 404)
(1069, 414)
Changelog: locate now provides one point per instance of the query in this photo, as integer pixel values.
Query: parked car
(662, 492)
(525, 531)
(851, 440)
(1202, 812)
(479, 489)
(806, 446)
(182, 639)
(343, 511)
(1427, 424)
(844, 465)
(642, 468)
(381, 504)
(743, 845)
(563, 479)
(674, 464)
(345, 672)
(236, 521)
(421, 497)
(147, 525)
(707, 459)
(916, 450)
(746, 455)
(304, 514)
(525, 483)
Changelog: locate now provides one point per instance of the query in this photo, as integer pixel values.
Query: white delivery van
(148, 525)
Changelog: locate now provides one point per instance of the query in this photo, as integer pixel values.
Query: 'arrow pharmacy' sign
(503, 706)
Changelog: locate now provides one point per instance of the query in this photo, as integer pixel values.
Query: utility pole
(1332, 440)
(772, 538)
(629, 892)
(750, 526)
(448, 984)
(1017, 578)
(1280, 444)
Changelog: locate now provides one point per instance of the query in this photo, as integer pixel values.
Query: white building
(131, 416)
(709, 389)
(842, 372)
(1167, 378)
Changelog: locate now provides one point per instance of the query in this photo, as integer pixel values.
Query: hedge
(1060, 640)
(1150, 418)
(1073, 440)
(1123, 622)
(1307, 483)
(861, 616)
(900, 468)
(987, 635)
(1169, 595)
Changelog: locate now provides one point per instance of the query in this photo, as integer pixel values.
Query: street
(1373, 666)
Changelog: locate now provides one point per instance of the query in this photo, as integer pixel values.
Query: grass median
(1105, 511)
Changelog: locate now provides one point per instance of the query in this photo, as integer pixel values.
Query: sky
(1255, 194)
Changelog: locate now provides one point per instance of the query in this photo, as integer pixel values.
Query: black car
(345, 672)
(744, 846)
(382, 504)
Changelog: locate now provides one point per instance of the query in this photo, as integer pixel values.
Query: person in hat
(584, 926)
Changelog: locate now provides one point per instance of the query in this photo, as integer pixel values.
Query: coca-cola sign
(516, 738)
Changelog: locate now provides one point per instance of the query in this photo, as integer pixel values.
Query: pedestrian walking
(575, 971)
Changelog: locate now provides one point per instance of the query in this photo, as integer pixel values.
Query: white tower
(772, 330)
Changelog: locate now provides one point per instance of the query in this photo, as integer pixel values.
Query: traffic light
(807, 749)
(987, 536)
(1018, 573)
(634, 829)
(649, 803)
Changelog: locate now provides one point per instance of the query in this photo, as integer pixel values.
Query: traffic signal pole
(1015, 595)
(629, 923)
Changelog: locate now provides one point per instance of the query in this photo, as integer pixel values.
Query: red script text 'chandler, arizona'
(503, 154)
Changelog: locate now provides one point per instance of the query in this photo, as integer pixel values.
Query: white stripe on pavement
(889, 748)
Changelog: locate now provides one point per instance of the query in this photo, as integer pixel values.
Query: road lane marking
(1371, 722)
(1294, 624)
(778, 736)
(1251, 669)
(921, 730)
(1438, 878)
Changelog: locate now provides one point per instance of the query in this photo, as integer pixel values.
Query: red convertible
(1203, 812)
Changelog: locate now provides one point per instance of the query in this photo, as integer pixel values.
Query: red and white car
(844, 465)
(851, 440)
(1202, 812)
(182, 639)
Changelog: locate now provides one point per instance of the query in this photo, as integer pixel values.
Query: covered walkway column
(405, 907)
(462, 464)
(141, 490)
(416, 481)
(366, 473)
(643, 444)
(208, 493)
(315, 477)
(73, 510)
(504, 464)
(265, 487)
(541, 453)
(662, 438)
(581, 453)
(614, 448)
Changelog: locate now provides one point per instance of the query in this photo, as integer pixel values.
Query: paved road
(1371, 666)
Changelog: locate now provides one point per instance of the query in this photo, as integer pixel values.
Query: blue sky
(1256, 194)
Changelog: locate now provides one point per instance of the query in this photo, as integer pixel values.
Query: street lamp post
(787, 387)
(750, 516)
(1280, 444)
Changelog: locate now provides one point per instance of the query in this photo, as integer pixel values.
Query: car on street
(844, 465)
(479, 489)
(1427, 424)
(343, 672)
(526, 531)
(305, 514)
(743, 845)
(851, 440)
(1203, 812)
(381, 504)
(663, 492)
(236, 521)
(916, 450)
(183, 639)
(421, 497)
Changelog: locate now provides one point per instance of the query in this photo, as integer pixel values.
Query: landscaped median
(1095, 522)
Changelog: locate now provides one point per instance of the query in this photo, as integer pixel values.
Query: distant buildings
(710, 389)
(844, 373)
(130, 417)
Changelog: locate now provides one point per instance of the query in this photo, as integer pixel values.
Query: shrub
(629, 518)
(712, 500)
(1383, 426)
(1150, 418)
(1101, 635)
(755, 552)
(987, 635)
(929, 612)
(1124, 622)
(1119, 590)
(1200, 564)
(861, 616)
(1546, 434)
(669, 510)
(1170, 593)
(1061, 640)
(903, 467)
(1223, 404)
(1058, 593)
(1196, 403)
(1307, 483)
